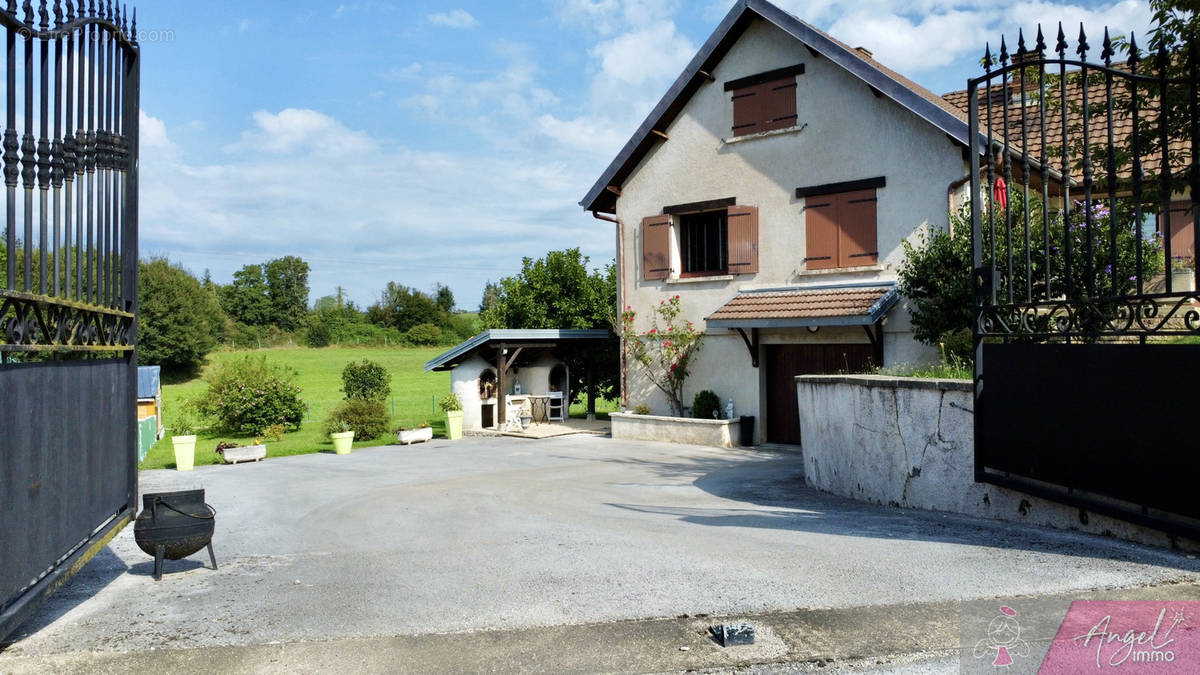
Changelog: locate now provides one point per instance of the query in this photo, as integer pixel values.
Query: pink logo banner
(1106, 636)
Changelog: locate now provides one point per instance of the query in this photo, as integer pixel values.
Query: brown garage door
(785, 362)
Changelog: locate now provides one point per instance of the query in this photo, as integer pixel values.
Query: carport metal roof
(529, 336)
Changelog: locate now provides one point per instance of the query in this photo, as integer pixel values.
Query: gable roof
(912, 96)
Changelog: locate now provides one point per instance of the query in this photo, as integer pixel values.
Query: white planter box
(410, 436)
(246, 453)
(631, 426)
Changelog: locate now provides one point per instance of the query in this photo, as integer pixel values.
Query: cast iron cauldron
(174, 525)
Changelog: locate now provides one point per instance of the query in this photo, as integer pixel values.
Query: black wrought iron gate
(1085, 383)
(68, 293)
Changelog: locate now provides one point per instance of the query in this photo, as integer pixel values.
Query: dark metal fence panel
(66, 447)
(68, 290)
(1075, 167)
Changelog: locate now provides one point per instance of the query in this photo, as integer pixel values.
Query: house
(772, 189)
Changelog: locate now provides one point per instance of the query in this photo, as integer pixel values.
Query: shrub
(249, 395)
(273, 433)
(449, 402)
(367, 418)
(178, 320)
(706, 405)
(367, 380)
(642, 409)
(318, 334)
(424, 334)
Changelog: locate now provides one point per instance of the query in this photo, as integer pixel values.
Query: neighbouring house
(771, 189)
(501, 373)
(149, 408)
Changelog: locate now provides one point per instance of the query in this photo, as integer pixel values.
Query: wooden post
(591, 392)
(501, 368)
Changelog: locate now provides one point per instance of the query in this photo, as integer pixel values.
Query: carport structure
(488, 369)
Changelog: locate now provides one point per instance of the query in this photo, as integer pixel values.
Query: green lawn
(320, 379)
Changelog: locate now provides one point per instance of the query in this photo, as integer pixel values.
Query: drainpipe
(620, 285)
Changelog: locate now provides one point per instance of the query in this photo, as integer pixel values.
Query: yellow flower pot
(342, 441)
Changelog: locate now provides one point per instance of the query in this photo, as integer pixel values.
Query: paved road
(508, 535)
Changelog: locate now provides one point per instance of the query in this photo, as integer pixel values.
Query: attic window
(764, 102)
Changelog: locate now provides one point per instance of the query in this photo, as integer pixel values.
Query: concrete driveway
(500, 533)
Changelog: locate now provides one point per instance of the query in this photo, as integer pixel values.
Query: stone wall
(909, 442)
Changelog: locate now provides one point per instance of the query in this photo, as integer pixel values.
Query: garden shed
(501, 374)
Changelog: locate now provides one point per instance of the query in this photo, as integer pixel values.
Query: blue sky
(425, 142)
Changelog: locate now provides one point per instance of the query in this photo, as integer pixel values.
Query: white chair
(558, 407)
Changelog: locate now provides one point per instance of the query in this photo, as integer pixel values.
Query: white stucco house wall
(771, 189)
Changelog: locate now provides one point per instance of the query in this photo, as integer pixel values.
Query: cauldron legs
(158, 558)
(212, 556)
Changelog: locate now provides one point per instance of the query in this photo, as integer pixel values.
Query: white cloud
(917, 36)
(300, 131)
(455, 18)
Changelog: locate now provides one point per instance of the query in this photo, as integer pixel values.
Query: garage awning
(861, 304)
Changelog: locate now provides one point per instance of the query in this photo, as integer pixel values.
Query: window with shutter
(1182, 239)
(764, 101)
(841, 224)
(656, 247)
(743, 239)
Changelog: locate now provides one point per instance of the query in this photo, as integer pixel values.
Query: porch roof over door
(832, 305)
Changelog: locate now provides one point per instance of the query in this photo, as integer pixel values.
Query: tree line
(182, 318)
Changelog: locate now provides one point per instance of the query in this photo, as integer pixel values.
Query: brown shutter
(742, 235)
(1182, 241)
(857, 239)
(656, 247)
(747, 104)
(779, 104)
(820, 232)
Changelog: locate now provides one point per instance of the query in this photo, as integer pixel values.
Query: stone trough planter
(410, 436)
(245, 453)
(634, 427)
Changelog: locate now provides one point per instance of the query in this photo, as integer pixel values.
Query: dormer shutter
(742, 234)
(656, 247)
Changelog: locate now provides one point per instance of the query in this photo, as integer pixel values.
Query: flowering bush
(250, 395)
(665, 351)
(367, 418)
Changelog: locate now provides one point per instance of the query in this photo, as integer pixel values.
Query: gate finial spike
(1133, 49)
(1021, 44)
(44, 15)
(91, 7)
(987, 57)
(70, 11)
(58, 13)
(1003, 52)
(12, 7)
(28, 7)
(1061, 47)
(133, 27)
(1083, 45)
(125, 18)
(1107, 53)
(1041, 42)
(1162, 57)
